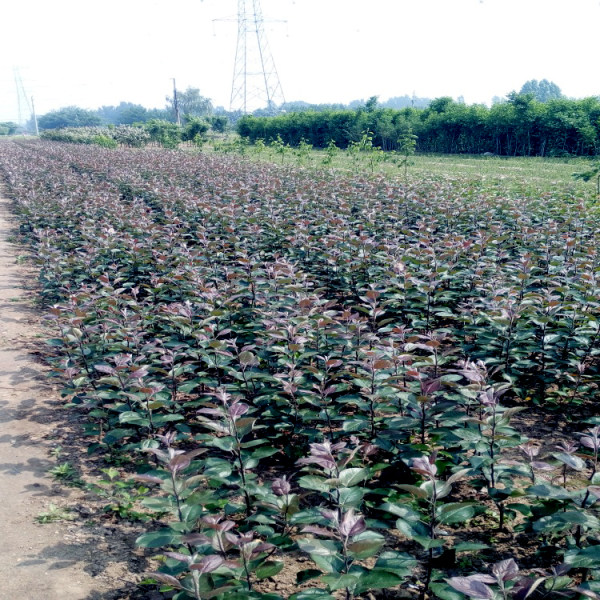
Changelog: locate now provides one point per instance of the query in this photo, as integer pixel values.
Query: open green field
(545, 172)
(520, 174)
(329, 381)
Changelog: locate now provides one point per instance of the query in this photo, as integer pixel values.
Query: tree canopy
(69, 116)
(127, 113)
(191, 103)
(542, 91)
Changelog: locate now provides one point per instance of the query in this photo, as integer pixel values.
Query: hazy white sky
(73, 52)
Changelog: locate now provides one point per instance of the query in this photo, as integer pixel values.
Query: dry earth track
(84, 559)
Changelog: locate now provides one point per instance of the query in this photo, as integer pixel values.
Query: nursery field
(305, 383)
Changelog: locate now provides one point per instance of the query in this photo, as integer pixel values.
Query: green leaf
(585, 558)
(218, 468)
(351, 497)
(188, 386)
(428, 543)
(307, 574)
(159, 504)
(227, 443)
(158, 539)
(252, 444)
(563, 520)
(412, 489)
(470, 547)
(547, 490)
(401, 510)
(192, 512)
(115, 435)
(399, 563)
(559, 583)
(113, 381)
(305, 517)
(377, 579)
(339, 582)
(264, 452)
(445, 592)
(269, 568)
(132, 418)
(412, 529)
(245, 425)
(247, 358)
(210, 594)
(324, 554)
(470, 435)
(317, 547)
(442, 488)
(312, 594)
(572, 461)
(312, 482)
(367, 546)
(171, 418)
(352, 476)
(354, 424)
(524, 509)
(456, 512)
(245, 595)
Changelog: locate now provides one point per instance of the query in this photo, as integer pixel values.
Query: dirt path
(63, 560)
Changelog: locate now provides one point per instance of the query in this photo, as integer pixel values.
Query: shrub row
(521, 126)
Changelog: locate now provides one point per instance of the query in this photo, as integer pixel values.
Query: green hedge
(520, 126)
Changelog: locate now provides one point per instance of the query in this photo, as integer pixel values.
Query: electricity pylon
(255, 80)
(25, 104)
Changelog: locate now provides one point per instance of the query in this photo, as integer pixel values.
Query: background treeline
(164, 133)
(520, 126)
(8, 127)
(190, 104)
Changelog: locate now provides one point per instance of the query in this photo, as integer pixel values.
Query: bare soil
(83, 557)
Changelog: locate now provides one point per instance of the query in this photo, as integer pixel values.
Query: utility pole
(34, 117)
(176, 104)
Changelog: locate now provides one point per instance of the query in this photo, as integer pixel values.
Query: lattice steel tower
(24, 108)
(255, 80)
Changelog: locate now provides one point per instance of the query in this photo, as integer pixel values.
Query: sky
(101, 52)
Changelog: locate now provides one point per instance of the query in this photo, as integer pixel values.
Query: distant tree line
(397, 102)
(519, 126)
(536, 121)
(190, 103)
(8, 128)
(165, 133)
